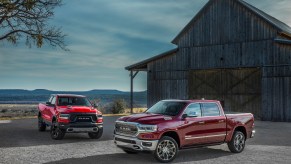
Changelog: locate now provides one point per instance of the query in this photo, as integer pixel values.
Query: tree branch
(28, 18)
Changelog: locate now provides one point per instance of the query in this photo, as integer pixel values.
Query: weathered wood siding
(167, 79)
(226, 21)
(276, 85)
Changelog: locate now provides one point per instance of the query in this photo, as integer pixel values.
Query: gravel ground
(21, 143)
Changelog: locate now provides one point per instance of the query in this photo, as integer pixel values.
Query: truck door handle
(221, 121)
(201, 122)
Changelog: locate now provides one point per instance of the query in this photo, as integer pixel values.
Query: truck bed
(244, 119)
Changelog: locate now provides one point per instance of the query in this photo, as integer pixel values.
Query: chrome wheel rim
(239, 142)
(166, 150)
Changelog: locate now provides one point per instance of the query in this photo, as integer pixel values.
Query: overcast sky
(104, 36)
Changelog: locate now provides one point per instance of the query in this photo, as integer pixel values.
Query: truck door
(193, 128)
(214, 123)
(45, 112)
(51, 108)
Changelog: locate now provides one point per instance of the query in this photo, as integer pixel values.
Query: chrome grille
(126, 128)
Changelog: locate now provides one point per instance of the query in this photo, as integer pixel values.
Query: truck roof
(68, 95)
(193, 101)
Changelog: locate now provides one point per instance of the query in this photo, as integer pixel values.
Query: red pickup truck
(70, 114)
(171, 125)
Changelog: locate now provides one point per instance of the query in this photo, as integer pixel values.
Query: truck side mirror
(95, 105)
(184, 116)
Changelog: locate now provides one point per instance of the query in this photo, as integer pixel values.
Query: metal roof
(143, 64)
(282, 27)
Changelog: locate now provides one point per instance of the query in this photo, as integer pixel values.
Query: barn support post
(132, 76)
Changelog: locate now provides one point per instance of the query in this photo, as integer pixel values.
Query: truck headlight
(64, 116)
(147, 128)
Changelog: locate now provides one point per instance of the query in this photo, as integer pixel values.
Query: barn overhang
(143, 66)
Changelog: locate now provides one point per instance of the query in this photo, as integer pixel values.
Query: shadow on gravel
(191, 155)
(24, 132)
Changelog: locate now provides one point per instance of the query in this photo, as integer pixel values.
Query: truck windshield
(167, 108)
(73, 101)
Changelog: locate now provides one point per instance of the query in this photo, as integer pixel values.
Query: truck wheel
(96, 135)
(41, 124)
(237, 143)
(56, 132)
(167, 150)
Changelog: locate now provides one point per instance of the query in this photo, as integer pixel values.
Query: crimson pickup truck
(171, 125)
(70, 114)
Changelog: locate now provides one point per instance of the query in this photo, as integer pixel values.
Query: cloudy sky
(104, 36)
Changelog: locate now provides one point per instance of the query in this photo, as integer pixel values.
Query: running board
(202, 145)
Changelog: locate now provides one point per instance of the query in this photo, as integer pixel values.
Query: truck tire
(56, 132)
(237, 143)
(96, 135)
(41, 124)
(167, 150)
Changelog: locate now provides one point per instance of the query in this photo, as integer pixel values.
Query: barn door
(238, 89)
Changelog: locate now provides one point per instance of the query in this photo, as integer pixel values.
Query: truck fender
(239, 127)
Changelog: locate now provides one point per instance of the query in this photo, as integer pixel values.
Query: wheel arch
(54, 119)
(173, 135)
(39, 114)
(241, 129)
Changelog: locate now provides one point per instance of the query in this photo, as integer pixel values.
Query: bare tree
(28, 19)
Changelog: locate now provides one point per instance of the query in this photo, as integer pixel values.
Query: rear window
(210, 109)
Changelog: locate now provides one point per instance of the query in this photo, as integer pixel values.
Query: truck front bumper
(81, 127)
(135, 143)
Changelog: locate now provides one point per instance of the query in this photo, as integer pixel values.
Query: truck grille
(83, 117)
(126, 129)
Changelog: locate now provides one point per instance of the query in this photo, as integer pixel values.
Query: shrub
(118, 106)
(4, 110)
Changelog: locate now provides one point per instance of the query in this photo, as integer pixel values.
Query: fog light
(147, 144)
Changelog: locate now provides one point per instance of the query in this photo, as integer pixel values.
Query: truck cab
(66, 113)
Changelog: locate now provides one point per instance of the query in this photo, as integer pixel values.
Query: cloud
(105, 36)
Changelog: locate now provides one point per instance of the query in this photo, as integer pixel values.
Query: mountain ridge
(46, 91)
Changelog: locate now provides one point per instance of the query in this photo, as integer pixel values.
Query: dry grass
(17, 110)
(20, 111)
(136, 110)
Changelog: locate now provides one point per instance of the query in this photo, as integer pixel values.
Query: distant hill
(21, 96)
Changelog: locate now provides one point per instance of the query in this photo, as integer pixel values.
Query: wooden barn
(230, 51)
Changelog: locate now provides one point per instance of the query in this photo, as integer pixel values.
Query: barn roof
(143, 64)
(282, 27)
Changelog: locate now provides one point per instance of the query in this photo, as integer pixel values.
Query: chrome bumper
(82, 130)
(253, 133)
(135, 144)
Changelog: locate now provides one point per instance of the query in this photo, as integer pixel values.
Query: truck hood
(76, 109)
(145, 118)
